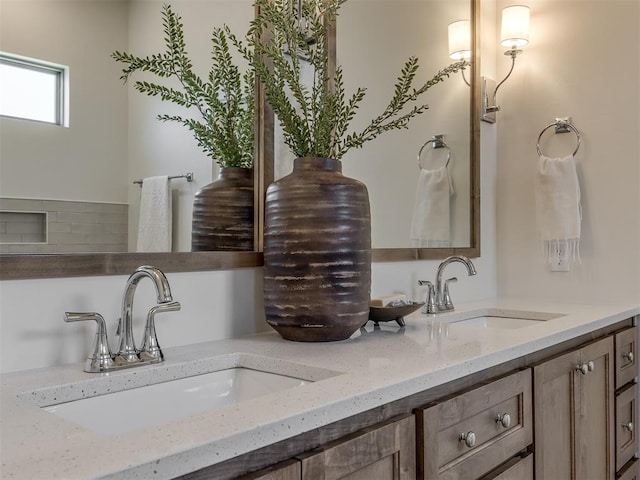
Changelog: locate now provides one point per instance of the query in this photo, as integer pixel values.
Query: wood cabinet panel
(626, 356)
(517, 469)
(630, 471)
(381, 452)
(289, 470)
(626, 425)
(574, 414)
(441, 452)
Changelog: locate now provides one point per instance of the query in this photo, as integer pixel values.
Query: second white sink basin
(157, 395)
(504, 319)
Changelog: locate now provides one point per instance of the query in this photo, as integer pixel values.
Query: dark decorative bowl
(387, 314)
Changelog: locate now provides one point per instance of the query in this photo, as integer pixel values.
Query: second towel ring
(438, 142)
(562, 126)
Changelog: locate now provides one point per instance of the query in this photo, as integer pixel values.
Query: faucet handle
(430, 304)
(150, 350)
(447, 303)
(100, 359)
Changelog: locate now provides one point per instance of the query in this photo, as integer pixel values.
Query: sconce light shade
(460, 40)
(515, 26)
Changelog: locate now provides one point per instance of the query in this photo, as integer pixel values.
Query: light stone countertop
(374, 367)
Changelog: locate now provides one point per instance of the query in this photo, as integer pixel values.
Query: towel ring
(438, 142)
(562, 126)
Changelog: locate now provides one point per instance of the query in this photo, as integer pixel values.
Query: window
(33, 89)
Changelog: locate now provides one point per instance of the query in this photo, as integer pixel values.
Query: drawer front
(516, 469)
(626, 425)
(462, 437)
(288, 470)
(631, 471)
(626, 356)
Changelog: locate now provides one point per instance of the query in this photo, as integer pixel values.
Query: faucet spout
(443, 303)
(127, 351)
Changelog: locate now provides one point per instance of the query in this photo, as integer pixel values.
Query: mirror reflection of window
(32, 89)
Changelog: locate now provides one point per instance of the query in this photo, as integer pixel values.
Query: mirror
(372, 53)
(373, 39)
(35, 266)
(82, 173)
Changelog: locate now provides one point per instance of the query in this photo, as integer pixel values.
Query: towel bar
(188, 176)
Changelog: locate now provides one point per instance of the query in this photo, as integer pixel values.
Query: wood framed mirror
(113, 139)
(24, 266)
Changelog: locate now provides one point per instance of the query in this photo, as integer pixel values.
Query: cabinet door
(382, 452)
(631, 471)
(573, 411)
(289, 470)
(516, 469)
(595, 409)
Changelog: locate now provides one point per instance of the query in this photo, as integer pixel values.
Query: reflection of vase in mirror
(370, 52)
(223, 212)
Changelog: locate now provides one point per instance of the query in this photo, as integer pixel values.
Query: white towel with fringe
(154, 224)
(558, 211)
(430, 225)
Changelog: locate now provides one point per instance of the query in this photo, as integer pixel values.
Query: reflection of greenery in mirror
(312, 106)
(224, 100)
(373, 38)
(114, 137)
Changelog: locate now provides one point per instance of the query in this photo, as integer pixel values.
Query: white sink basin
(115, 404)
(504, 319)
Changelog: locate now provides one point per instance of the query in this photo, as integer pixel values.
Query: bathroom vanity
(496, 389)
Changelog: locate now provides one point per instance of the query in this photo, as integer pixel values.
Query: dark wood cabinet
(574, 413)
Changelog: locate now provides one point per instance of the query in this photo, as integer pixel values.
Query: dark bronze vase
(317, 253)
(223, 213)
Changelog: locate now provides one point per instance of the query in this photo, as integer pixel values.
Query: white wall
(373, 53)
(583, 61)
(216, 305)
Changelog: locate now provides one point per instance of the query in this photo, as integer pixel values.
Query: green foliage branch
(315, 117)
(225, 101)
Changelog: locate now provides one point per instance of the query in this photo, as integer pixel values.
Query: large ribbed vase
(223, 213)
(317, 253)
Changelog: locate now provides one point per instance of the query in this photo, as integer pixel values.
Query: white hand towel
(430, 224)
(154, 224)
(558, 213)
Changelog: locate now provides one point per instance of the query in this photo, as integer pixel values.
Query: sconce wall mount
(514, 34)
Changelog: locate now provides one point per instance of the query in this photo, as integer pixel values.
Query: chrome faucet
(101, 359)
(438, 296)
(127, 351)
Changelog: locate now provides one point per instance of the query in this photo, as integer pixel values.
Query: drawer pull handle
(469, 439)
(628, 356)
(628, 426)
(591, 366)
(583, 369)
(504, 420)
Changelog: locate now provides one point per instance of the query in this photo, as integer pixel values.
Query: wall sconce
(514, 33)
(460, 42)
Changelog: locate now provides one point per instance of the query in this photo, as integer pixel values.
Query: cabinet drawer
(516, 469)
(288, 470)
(626, 425)
(626, 356)
(631, 471)
(382, 452)
(462, 437)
